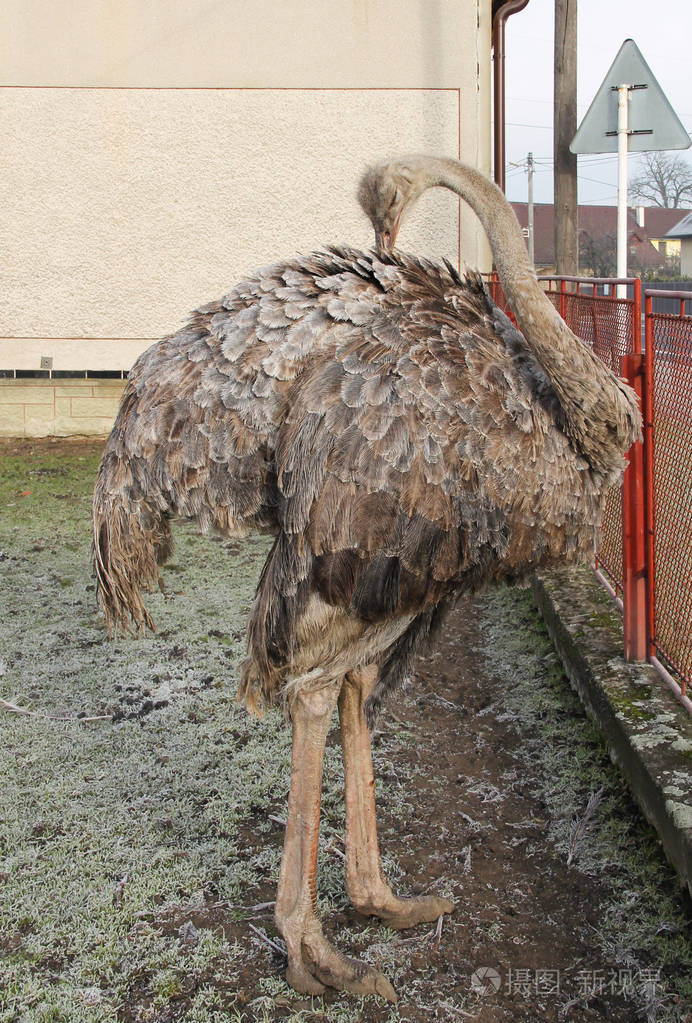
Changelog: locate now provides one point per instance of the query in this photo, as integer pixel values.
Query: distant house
(658, 223)
(651, 248)
(682, 233)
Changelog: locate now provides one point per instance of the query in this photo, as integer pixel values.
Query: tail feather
(131, 540)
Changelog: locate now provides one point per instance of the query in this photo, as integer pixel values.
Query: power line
(583, 160)
(522, 124)
(598, 202)
(596, 181)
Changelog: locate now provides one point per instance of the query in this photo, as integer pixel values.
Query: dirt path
(524, 919)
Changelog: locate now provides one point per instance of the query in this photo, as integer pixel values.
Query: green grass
(105, 825)
(115, 832)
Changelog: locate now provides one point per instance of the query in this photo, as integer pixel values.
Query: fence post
(634, 546)
(648, 411)
(637, 338)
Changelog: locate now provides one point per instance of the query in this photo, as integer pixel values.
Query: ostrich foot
(314, 963)
(365, 883)
(402, 913)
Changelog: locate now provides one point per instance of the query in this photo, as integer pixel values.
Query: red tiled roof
(599, 222)
(658, 222)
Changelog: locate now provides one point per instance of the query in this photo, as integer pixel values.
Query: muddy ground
(139, 850)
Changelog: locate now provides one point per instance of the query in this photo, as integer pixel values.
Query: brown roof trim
(502, 9)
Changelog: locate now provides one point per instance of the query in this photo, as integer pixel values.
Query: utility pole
(565, 126)
(529, 231)
(529, 167)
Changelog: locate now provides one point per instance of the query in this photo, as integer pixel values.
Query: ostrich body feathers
(380, 416)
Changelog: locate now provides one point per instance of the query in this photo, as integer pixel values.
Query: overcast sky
(662, 29)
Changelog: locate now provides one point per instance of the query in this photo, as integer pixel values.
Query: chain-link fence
(609, 325)
(647, 566)
(669, 366)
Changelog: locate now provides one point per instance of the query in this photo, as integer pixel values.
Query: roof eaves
(683, 229)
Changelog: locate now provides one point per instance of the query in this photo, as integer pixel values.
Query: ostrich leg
(312, 960)
(366, 886)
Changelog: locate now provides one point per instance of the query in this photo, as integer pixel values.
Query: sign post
(623, 122)
(629, 113)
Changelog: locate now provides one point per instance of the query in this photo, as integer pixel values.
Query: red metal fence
(644, 554)
(668, 370)
(612, 327)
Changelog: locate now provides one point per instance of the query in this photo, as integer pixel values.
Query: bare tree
(597, 255)
(663, 180)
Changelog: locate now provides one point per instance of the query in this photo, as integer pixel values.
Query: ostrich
(406, 445)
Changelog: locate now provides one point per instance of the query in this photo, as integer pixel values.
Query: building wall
(686, 257)
(58, 407)
(669, 247)
(154, 152)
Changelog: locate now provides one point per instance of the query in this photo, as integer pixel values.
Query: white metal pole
(623, 138)
(529, 164)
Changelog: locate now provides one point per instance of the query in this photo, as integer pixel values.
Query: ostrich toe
(402, 913)
(336, 970)
(314, 963)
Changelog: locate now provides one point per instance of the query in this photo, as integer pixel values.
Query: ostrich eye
(394, 198)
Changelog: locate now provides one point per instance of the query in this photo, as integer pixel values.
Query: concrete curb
(647, 732)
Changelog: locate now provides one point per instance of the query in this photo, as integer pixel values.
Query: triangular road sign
(653, 124)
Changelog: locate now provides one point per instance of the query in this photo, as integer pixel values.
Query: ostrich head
(387, 191)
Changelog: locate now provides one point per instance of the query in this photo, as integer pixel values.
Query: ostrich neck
(601, 414)
(545, 332)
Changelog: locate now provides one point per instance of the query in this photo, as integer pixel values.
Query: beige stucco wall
(154, 152)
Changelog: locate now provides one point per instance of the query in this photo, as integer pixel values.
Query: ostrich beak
(384, 240)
